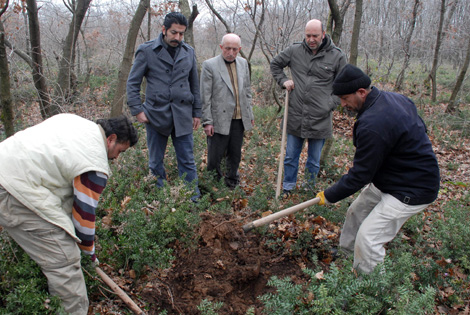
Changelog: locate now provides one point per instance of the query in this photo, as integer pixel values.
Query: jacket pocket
(326, 70)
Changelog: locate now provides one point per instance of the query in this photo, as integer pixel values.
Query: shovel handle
(283, 149)
(263, 221)
(134, 308)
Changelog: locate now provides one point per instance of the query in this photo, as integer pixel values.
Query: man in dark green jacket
(314, 64)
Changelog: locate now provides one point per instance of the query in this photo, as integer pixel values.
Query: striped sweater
(87, 189)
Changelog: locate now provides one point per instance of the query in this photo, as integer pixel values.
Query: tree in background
(191, 16)
(453, 104)
(126, 64)
(66, 79)
(441, 28)
(6, 104)
(336, 19)
(406, 46)
(46, 107)
(355, 33)
(255, 11)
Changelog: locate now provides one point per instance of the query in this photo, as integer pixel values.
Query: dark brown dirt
(227, 266)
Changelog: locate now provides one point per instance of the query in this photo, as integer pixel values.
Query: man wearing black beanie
(394, 163)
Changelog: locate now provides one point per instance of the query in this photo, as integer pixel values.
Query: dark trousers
(229, 146)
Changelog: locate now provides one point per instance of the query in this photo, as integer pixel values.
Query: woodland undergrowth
(426, 270)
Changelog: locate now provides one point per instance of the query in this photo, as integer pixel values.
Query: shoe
(339, 254)
(334, 254)
(286, 193)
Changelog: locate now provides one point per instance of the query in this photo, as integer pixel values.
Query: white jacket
(38, 165)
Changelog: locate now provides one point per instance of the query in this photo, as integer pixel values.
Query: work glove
(323, 200)
(95, 261)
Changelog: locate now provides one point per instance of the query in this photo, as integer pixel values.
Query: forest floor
(234, 267)
(228, 265)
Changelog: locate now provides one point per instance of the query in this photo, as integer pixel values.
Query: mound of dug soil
(227, 266)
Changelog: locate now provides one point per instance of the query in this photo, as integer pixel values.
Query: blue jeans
(291, 161)
(183, 145)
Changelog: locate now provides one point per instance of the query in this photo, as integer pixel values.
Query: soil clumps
(227, 266)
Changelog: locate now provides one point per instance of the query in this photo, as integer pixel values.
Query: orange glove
(323, 200)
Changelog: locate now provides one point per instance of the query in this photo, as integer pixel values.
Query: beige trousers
(51, 247)
(373, 220)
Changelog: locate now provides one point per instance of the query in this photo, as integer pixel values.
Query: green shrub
(389, 288)
(207, 307)
(151, 220)
(452, 232)
(23, 287)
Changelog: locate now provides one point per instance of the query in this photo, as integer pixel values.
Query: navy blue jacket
(172, 94)
(393, 152)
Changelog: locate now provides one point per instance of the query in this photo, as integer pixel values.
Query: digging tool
(283, 142)
(134, 308)
(260, 222)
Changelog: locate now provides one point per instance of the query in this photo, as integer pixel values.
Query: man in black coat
(395, 162)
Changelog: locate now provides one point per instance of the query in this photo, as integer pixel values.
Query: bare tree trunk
(355, 33)
(66, 80)
(87, 59)
(126, 64)
(6, 103)
(257, 25)
(406, 47)
(25, 18)
(47, 109)
(191, 16)
(453, 104)
(432, 74)
(325, 152)
(336, 19)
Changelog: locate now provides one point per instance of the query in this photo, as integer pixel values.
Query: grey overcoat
(172, 94)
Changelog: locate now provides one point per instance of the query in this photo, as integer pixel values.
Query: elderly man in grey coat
(172, 103)
(314, 64)
(227, 110)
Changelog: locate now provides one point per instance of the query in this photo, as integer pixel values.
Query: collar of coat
(326, 44)
(163, 54)
(159, 42)
(370, 100)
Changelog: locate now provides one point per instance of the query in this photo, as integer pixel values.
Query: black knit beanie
(349, 80)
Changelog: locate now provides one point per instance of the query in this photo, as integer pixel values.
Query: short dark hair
(174, 18)
(122, 127)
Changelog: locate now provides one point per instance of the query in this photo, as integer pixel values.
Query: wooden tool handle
(260, 222)
(283, 149)
(119, 291)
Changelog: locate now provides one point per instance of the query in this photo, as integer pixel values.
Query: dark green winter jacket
(311, 102)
